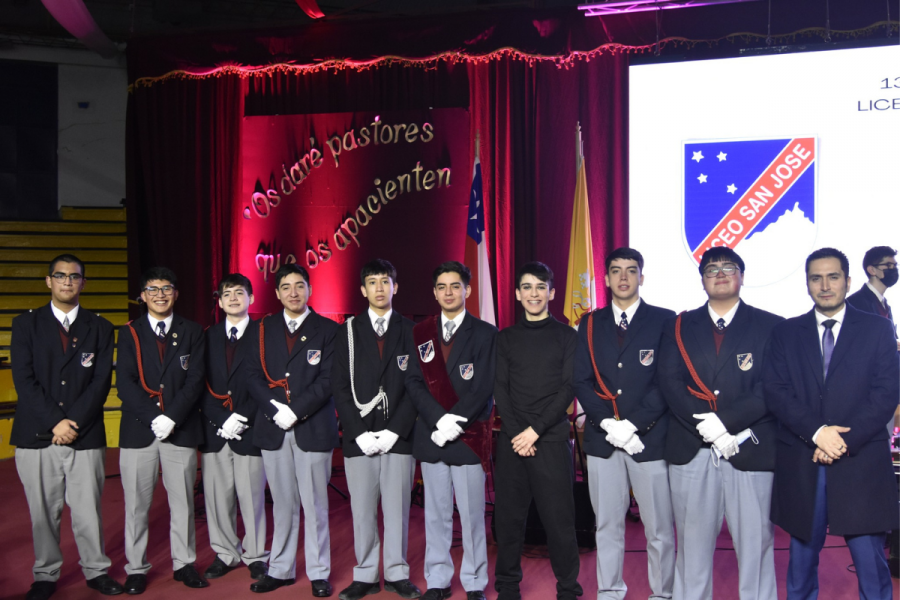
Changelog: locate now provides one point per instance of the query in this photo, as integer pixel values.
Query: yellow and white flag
(581, 291)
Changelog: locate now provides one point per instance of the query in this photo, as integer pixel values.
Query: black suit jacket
(630, 368)
(236, 383)
(865, 300)
(473, 345)
(740, 401)
(52, 386)
(860, 392)
(371, 373)
(308, 371)
(181, 375)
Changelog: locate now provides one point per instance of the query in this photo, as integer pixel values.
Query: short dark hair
(69, 258)
(158, 273)
(235, 280)
(625, 254)
(874, 255)
(721, 253)
(538, 270)
(291, 269)
(452, 266)
(377, 266)
(829, 253)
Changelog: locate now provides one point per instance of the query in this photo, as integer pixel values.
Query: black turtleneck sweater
(533, 387)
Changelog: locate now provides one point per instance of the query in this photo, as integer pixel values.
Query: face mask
(890, 277)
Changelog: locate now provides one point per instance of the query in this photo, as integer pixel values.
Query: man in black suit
(160, 378)
(452, 385)
(721, 440)
(232, 466)
(61, 365)
(880, 265)
(296, 428)
(832, 382)
(627, 419)
(372, 354)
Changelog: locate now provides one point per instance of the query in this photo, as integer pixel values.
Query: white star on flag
(721, 156)
(698, 156)
(732, 189)
(702, 178)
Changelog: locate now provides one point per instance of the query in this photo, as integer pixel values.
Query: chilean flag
(481, 302)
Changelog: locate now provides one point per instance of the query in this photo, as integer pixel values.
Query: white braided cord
(369, 406)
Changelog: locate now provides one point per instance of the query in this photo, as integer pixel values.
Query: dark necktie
(161, 326)
(623, 322)
(720, 324)
(827, 344)
(233, 337)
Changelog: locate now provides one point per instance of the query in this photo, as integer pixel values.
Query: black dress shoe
(189, 576)
(216, 569)
(476, 595)
(258, 570)
(436, 594)
(269, 584)
(41, 590)
(404, 588)
(321, 588)
(106, 585)
(135, 584)
(359, 589)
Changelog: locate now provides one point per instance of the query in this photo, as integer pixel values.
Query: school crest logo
(313, 357)
(467, 371)
(426, 351)
(87, 359)
(185, 360)
(755, 196)
(745, 361)
(403, 361)
(647, 357)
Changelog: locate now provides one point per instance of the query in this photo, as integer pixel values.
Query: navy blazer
(860, 392)
(235, 383)
(630, 368)
(181, 376)
(308, 372)
(371, 373)
(735, 372)
(473, 345)
(865, 300)
(52, 386)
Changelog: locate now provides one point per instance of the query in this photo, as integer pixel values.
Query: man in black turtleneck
(535, 359)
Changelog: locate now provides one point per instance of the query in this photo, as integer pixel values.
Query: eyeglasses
(887, 265)
(166, 290)
(73, 277)
(714, 271)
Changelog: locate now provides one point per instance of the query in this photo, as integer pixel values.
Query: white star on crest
(732, 188)
(702, 178)
(721, 156)
(698, 156)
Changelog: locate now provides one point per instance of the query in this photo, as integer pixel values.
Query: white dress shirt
(727, 317)
(373, 316)
(457, 321)
(287, 320)
(241, 327)
(61, 316)
(629, 312)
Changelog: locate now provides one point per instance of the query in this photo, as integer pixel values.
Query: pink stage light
(602, 9)
(74, 16)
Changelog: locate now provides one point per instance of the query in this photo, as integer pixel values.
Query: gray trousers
(388, 477)
(55, 475)
(299, 478)
(467, 482)
(702, 493)
(140, 472)
(609, 481)
(227, 475)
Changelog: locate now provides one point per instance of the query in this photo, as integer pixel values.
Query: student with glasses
(880, 265)
(61, 358)
(160, 376)
(721, 440)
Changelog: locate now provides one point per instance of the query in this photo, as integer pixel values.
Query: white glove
(710, 427)
(619, 432)
(386, 440)
(162, 427)
(285, 417)
(447, 425)
(234, 426)
(368, 443)
(438, 438)
(727, 445)
(222, 434)
(634, 445)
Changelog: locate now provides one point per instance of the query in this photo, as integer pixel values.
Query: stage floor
(836, 582)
